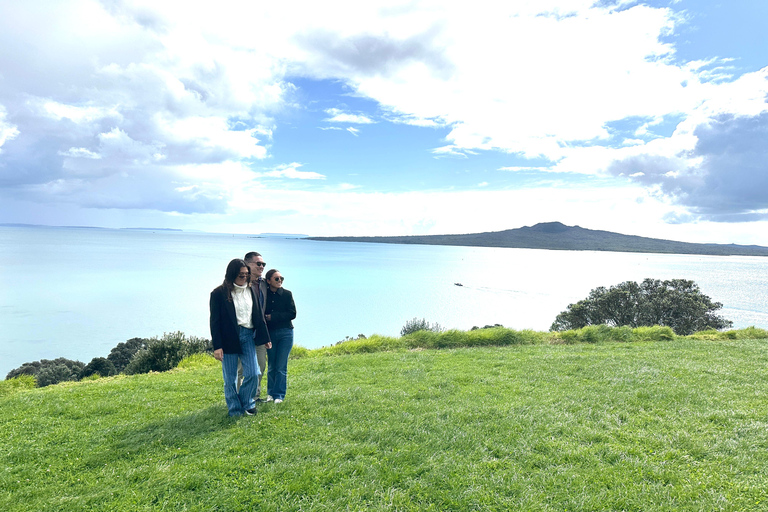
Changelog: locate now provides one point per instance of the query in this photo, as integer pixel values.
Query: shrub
(417, 325)
(421, 339)
(16, 384)
(165, 353)
(677, 303)
(98, 365)
(602, 333)
(653, 333)
(56, 373)
(122, 354)
(49, 371)
(749, 333)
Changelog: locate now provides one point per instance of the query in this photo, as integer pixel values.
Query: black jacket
(280, 305)
(225, 333)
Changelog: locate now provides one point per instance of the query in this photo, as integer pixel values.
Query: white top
(241, 296)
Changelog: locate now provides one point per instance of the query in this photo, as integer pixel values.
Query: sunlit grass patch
(14, 385)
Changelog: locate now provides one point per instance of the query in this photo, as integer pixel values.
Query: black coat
(280, 305)
(225, 333)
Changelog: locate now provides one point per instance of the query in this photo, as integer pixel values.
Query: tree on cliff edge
(677, 303)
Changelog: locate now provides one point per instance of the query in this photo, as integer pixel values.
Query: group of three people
(252, 329)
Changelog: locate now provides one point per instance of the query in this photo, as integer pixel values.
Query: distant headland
(558, 236)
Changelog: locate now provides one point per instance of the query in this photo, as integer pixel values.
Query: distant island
(279, 235)
(152, 229)
(558, 236)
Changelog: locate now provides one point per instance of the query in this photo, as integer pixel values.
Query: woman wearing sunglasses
(279, 310)
(236, 328)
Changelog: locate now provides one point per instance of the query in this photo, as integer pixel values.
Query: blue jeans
(277, 372)
(241, 400)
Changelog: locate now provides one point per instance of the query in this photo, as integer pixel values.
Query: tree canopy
(49, 371)
(122, 354)
(676, 303)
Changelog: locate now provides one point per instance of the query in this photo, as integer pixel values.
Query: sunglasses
(261, 264)
(243, 275)
(280, 279)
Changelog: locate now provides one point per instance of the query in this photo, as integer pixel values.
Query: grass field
(670, 425)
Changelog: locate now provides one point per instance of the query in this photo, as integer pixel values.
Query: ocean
(78, 292)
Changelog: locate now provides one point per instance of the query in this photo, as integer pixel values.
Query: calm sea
(77, 292)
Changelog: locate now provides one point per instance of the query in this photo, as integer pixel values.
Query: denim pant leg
(277, 375)
(250, 369)
(271, 365)
(229, 369)
(261, 358)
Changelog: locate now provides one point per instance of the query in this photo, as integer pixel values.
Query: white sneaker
(270, 399)
(278, 400)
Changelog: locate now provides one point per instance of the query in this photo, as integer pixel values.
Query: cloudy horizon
(647, 118)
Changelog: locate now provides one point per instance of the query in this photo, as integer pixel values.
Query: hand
(219, 354)
(268, 317)
(269, 344)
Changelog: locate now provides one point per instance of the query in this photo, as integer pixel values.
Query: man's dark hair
(249, 256)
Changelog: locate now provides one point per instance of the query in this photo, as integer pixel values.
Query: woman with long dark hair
(279, 310)
(236, 328)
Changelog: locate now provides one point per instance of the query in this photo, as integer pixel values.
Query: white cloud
(80, 153)
(450, 76)
(414, 121)
(339, 116)
(78, 114)
(291, 171)
(523, 169)
(7, 130)
(354, 131)
(450, 150)
(212, 133)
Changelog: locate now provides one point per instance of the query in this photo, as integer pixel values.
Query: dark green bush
(99, 365)
(676, 303)
(49, 371)
(53, 374)
(122, 354)
(165, 353)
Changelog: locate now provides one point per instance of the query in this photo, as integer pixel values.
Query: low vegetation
(419, 324)
(165, 353)
(496, 420)
(137, 355)
(652, 310)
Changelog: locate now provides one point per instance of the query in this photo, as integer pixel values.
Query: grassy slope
(674, 425)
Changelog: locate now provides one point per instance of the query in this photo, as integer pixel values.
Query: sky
(395, 117)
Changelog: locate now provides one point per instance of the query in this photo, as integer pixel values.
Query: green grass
(680, 424)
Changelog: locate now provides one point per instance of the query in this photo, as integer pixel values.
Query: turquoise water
(76, 293)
